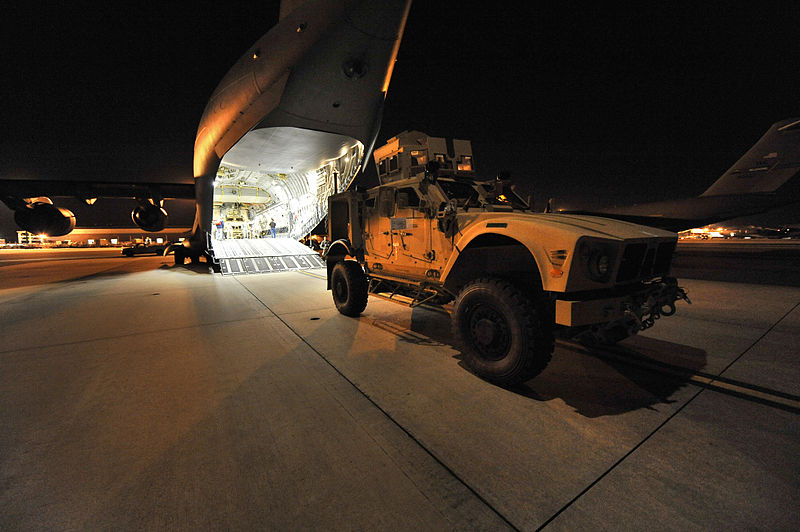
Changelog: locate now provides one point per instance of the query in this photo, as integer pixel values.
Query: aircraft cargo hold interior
(262, 209)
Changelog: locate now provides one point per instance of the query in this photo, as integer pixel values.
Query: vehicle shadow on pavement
(614, 380)
(639, 373)
(195, 267)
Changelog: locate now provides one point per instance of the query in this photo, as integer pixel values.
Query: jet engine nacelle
(149, 216)
(41, 217)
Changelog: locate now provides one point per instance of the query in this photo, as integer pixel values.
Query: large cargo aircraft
(293, 120)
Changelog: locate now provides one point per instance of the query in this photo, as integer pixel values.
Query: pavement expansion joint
(394, 421)
(135, 334)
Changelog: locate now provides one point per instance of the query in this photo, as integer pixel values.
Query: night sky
(611, 105)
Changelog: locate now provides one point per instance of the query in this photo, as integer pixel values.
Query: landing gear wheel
(504, 337)
(349, 286)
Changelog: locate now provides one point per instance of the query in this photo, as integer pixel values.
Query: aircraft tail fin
(771, 162)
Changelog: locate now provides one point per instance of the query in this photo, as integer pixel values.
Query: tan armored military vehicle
(433, 234)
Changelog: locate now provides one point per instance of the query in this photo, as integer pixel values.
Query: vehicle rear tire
(180, 257)
(504, 336)
(349, 287)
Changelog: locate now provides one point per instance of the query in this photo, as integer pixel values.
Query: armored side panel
(344, 218)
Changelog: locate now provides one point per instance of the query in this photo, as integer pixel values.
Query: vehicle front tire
(349, 287)
(505, 339)
(180, 257)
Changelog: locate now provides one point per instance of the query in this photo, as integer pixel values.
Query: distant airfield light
(256, 53)
(90, 201)
(302, 27)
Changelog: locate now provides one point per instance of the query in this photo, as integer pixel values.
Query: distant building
(105, 236)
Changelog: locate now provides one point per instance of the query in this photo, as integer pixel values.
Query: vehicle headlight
(599, 260)
(599, 265)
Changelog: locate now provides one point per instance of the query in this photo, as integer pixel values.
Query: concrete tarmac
(139, 395)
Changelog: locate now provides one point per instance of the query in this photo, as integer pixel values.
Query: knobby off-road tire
(349, 286)
(505, 339)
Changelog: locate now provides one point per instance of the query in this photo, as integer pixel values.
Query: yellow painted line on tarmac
(759, 394)
(310, 274)
(768, 396)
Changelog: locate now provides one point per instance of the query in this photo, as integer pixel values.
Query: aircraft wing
(15, 190)
(680, 215)
(34, 210)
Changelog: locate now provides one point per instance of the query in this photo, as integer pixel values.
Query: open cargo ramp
(263, 255)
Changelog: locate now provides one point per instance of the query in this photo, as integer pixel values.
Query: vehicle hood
(580, 225)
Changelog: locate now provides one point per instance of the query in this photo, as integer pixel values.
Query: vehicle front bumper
(641, 307)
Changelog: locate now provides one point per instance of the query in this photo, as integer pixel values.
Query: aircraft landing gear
(193, 252)
(180, 257)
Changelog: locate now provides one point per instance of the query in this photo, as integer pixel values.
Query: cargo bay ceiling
(284, 175)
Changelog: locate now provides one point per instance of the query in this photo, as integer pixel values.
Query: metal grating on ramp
(263, 255)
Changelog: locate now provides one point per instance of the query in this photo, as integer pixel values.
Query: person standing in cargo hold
(272, 227)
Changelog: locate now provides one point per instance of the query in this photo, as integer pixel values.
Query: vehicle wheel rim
(490, 333)
(340, 289)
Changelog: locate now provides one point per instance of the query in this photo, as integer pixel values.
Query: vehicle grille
(640, 261)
